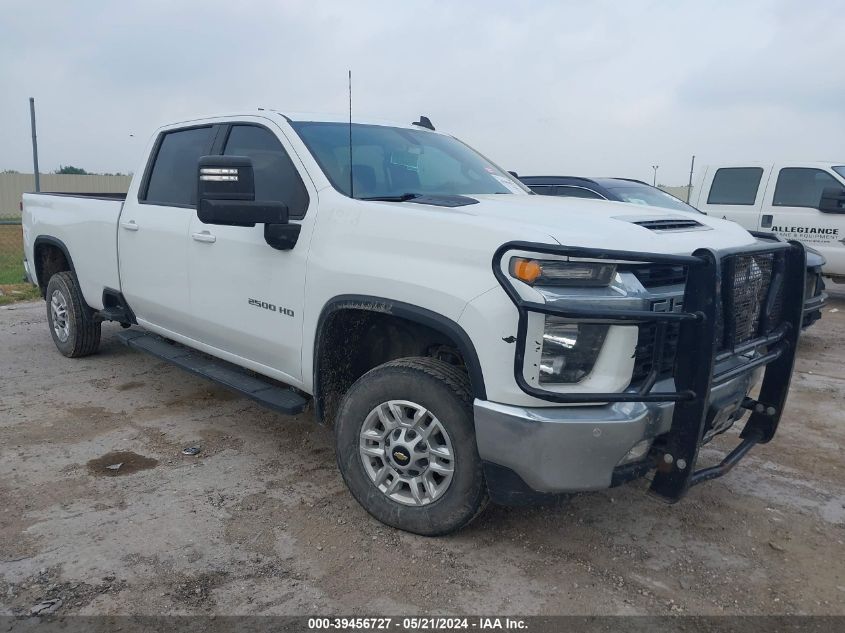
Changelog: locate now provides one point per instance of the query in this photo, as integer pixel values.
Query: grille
(679, 224)
(644, 357)
(745, 290)
(654, 275)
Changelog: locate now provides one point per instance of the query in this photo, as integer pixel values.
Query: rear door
(791, 211)
(153, 230)
(735, 193)
(247, 298)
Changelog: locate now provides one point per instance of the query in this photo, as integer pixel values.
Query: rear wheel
(406, 446)
(73, 326)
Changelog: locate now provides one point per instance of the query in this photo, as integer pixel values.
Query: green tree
(70, 169)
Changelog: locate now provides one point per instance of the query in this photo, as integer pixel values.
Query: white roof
(320, 117)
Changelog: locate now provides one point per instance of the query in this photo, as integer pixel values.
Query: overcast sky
(575, 88)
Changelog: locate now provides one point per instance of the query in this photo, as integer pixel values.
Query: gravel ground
(260, 522)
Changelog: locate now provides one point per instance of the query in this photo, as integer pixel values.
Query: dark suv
(639, 192)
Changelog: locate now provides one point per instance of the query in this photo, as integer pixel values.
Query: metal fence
(11, 250)
(13, 186)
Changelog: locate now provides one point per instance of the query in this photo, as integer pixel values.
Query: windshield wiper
(400, 198)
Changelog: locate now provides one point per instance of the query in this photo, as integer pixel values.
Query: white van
(802, 201)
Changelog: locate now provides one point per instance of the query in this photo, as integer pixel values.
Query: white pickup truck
(795, 200)
(466, 338)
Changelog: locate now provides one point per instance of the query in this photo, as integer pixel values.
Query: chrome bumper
(554, 450)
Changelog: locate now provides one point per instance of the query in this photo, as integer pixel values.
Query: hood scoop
(663, 225)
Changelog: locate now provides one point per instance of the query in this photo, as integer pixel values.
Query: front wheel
(73, 326)
(406, 448)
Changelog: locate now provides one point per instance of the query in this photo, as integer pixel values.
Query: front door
(153, 231)
(247, 298)
(791, 212)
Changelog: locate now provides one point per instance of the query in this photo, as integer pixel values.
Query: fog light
(639, 451)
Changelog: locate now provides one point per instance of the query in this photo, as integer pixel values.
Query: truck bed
(85, 225)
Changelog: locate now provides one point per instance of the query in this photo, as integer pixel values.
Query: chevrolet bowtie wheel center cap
(406, 452)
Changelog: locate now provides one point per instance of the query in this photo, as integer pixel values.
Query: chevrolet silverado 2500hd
(466, 338)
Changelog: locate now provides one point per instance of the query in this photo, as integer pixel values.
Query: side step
(262, 390)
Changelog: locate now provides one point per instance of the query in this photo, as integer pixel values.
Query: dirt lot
(260, 522)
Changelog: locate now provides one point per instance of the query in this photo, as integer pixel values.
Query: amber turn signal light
(526, 270)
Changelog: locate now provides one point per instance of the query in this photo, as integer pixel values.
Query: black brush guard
(700, 346)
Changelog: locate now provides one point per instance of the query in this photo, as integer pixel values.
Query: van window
(276, 178)
(173, 179)
(802, 187)
(735, 185)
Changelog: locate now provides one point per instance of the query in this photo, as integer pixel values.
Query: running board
(264, 391)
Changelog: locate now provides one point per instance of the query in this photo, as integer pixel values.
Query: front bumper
(550, 451)
(736, 323)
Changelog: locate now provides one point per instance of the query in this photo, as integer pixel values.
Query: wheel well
(50, 259)
(352, 341)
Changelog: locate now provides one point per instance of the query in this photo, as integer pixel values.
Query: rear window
(735, 185)
(173, 179)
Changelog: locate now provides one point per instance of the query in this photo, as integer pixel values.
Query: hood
(606, 224)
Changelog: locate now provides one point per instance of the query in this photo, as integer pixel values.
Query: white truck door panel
(153, 231)
(154, 264)
(247, 298)
(790, 210)
(734, 193)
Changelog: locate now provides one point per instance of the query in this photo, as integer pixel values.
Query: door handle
(130, 225)
(204, 236)
(767, 221)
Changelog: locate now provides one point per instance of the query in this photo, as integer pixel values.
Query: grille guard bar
(694, 370)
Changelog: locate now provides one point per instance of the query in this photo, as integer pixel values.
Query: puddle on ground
(119, 463)
(129, 385)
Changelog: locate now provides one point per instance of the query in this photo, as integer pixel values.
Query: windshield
(643, 194)
(394, 162)
(840, 169)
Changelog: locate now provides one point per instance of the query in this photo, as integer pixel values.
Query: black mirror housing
(225, 178)
(241, 212)
(832, 200)
(226, 194)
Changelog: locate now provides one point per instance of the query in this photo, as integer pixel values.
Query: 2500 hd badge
(270, 306)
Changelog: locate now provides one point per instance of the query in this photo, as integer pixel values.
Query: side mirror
(226, 197)
(226, 194)
(832, 200)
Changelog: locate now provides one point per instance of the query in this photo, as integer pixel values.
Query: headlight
(569, 350)
(561, 273)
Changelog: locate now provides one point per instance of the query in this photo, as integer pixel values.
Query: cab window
(276, 177)
(735, 185)
(802, 187)
(173, 177)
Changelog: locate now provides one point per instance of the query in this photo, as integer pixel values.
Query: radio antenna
(351, 178)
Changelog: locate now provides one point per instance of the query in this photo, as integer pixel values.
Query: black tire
(83, 329)
(442, 389)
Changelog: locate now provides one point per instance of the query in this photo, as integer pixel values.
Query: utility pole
(689, 186)
(34, 144)
(654, 167)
